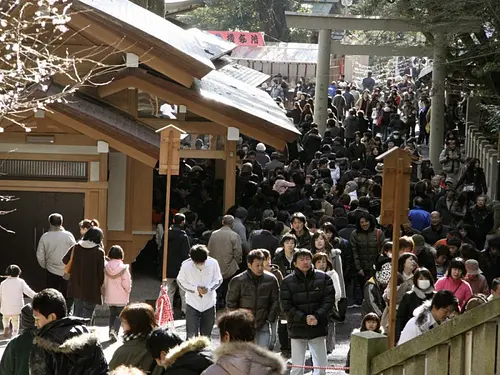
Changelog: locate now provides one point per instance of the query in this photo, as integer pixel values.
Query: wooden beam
(114, 87)
(132, 102)
(209, 109)
(59, 139)
(230, 176)
(53, 184)
(103, 167)
(191, 127)
(98, 136)
(93, 30)
(39, 156)
(372, 50)
(312, 21)
(202, 154)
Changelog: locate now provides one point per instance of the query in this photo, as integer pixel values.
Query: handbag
(469, 188)
(69, 265)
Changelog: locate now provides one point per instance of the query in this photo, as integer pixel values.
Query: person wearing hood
(373, 301)
(117, 287)
(237, 354)
(429, 315)
(62, 345)
(423, 290)
(260, 154)
(15, 358)
(425, 254)
(176, 357)
(87, 273)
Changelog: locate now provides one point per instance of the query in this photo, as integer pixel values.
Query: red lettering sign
(241, 38)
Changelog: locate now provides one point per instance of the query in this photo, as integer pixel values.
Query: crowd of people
(301, 249)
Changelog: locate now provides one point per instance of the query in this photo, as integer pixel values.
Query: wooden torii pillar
(170, 142)
(394, 210)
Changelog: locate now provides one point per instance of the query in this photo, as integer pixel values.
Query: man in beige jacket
(225, 247)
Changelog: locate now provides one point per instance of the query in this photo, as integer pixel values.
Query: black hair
(287, 237)
(402, 259)
(13, 270)
(422, 272)
(179, 219)
(366, 216)
(468, 251)
(299, 216)
(50, 301)
(419, 201)
(198, 253)
(364, 202)
(457, 263)
(162, 340)
(301, 253)
(239, 324)
(370, 317)
(115, 252)
(254, 255)
(329, 227)
(267, 253)
(444, 299)
(94, 235)
(55, 220)
(442, 250)
(269, 223)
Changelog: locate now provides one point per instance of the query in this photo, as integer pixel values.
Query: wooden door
(28, 222)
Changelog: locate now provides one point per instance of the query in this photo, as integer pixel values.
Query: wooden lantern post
(170, 141)
(394, 210)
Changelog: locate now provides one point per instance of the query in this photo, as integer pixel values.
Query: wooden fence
(466, 345)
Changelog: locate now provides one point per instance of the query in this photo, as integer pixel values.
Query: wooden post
(395, 255)
(394, 210)
(364, 347)
(169, 165)
(230, 175)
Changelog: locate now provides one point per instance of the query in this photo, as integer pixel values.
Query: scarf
(422, 294)
(133, 336)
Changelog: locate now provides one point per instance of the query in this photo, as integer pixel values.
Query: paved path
(147, 288)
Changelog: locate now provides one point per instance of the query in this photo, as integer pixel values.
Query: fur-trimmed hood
(425, 321)
(66, 336)
(195, 344)
(245, 358)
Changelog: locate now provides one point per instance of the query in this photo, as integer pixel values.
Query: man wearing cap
(475, 278)
(261, 155)
(425, 254)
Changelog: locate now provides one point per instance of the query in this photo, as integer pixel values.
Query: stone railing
(478, 146)
(466, 345)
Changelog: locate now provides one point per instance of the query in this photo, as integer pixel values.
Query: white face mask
(423, 284)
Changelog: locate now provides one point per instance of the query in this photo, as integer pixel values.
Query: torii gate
(325, 23)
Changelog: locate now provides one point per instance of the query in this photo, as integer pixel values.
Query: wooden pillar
(230, 180)
(365, 346)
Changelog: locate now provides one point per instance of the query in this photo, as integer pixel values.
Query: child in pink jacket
(117, 287)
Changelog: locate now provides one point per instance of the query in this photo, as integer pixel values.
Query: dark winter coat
(66, 347)
(489, 265)
(302, 295)
(16, 357)
(481, 220)
(178, 250)
(87, 272)
(474, 177)
(444, 210)
(426, 259)
(259, 294)
(366, 247)
(432, 234)
(192, 357)
(373, 301)
(406, 307)
(133, 353)
(263, 239)
(357, 151)
(304, 241)
(280, 260)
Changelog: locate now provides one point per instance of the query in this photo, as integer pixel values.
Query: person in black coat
(423, 290)
(177, 357)
(264, 238)
(62, 345)
(425, 254)
(307, 297)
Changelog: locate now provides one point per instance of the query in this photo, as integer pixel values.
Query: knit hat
(241, 213)
(27, 320)
(383, 270)
(472, 267)
(260, 147)
(418, 242)
(379, 168)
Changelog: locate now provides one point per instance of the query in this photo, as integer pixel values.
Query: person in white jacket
(12, 291)
(429, 315)
(199, 277)
(322, 262)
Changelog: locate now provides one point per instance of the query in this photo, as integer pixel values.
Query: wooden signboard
(170, 143)
(394, 211)
(393, 182)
